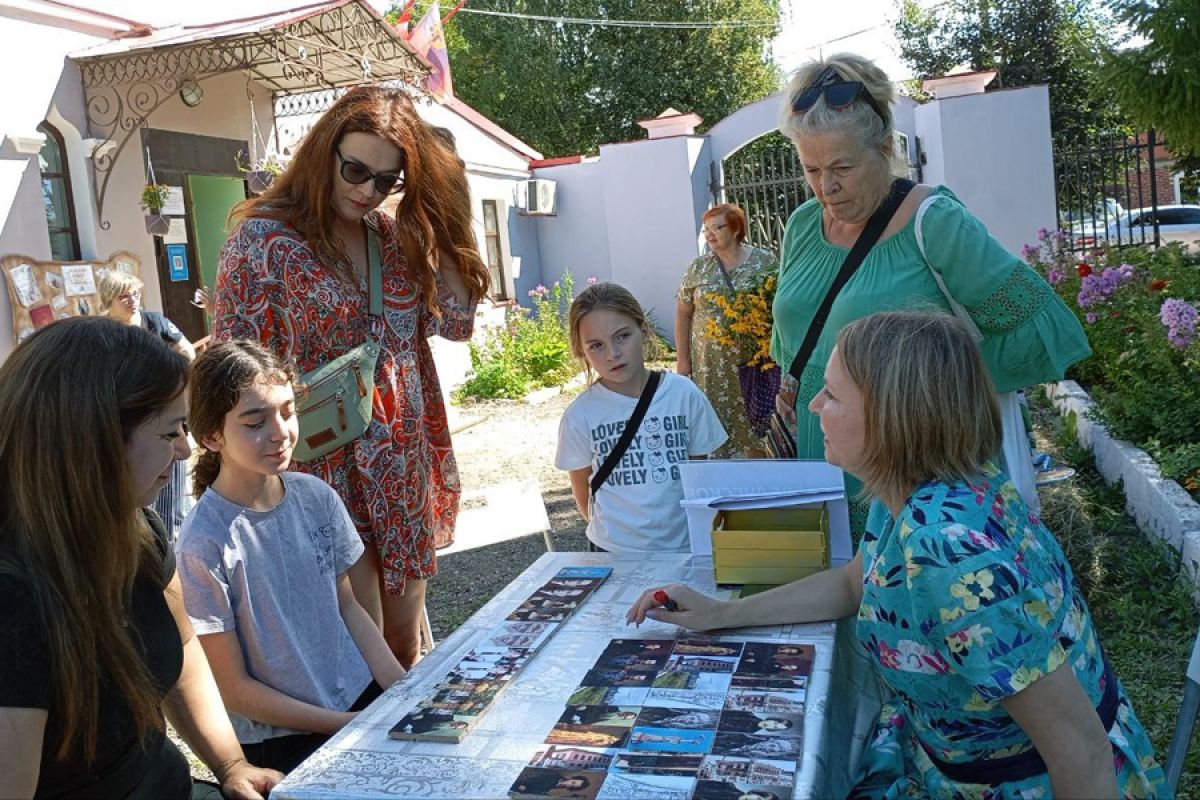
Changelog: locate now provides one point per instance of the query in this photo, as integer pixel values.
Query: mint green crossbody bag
(334, 401)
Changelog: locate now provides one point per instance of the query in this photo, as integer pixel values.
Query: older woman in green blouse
(839, 117)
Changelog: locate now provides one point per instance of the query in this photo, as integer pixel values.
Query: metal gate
(1108, 188)
(766, 180)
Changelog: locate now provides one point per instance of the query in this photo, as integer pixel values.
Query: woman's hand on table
(696, 611)
(244, 781)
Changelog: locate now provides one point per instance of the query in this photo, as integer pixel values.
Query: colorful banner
(429, 39)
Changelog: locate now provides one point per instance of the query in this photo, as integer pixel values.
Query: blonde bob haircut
(603, 297)
(930, 409)
(114, 284)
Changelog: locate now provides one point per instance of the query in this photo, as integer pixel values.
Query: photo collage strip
(470, 688)
(677, 719)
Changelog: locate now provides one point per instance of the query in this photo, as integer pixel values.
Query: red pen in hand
(664, 600)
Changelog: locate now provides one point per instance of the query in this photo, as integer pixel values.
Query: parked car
(1088, 225)
(1176, 223)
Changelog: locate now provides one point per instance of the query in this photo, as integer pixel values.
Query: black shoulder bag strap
(866, 240)
(635, 420)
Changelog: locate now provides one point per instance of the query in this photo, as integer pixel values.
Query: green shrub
(1138, 307)
(532, 349)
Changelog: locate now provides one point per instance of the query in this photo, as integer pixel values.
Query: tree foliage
(1158, 82)
(1056, 42)
(567, 88)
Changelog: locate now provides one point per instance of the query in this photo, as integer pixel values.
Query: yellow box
(769, 545)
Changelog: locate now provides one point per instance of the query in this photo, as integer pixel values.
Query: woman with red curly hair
(293, 276)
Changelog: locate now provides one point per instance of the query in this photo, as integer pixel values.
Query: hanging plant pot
(158, 224)
(260, 180)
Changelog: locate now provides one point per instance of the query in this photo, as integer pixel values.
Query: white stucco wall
(39, 83)
(576, 237)
(994, 151)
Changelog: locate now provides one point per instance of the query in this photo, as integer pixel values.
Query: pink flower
(592, 280)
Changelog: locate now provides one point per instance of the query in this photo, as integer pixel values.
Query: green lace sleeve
(1030, 336)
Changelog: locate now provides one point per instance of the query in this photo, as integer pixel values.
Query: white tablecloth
(362, 761)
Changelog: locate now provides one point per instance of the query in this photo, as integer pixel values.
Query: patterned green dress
(1030, 336)
(967, 600)
(714, 366)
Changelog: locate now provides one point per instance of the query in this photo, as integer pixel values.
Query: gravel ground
(513, 440)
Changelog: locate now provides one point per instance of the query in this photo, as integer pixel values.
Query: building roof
(320, 45)
(491, 128)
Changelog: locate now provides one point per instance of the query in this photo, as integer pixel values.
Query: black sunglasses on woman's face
(355, 173)
(838, 93)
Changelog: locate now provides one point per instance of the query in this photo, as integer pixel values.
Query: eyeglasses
(838, 93)
(355, 173)
(714, 228)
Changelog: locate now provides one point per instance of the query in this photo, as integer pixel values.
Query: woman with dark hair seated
(95, 645)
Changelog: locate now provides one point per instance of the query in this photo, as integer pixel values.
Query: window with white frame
(494, 250)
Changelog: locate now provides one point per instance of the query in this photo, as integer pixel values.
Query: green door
(211, 197)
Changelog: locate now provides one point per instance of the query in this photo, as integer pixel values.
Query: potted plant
(154, 197)
(259, 174)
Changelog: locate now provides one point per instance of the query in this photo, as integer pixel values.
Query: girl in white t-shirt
(264, 559)
(637, 509)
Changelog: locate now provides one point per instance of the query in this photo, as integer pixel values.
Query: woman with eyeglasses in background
(731, 265)
(293, 277)
(839, 116)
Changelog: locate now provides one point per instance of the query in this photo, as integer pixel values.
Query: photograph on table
(683, 698)
(527, 635)
(559, 757)
(605, 736)
(757, 771)
(787, 726)
(534, 782)
(750, 746)
(587, 584)
(643, 786)
(617, 677)
(536, 614)
(605, 695)
(720, 790)
(594, 573)
(686, 764)
(670, 740)
(600, 715)
(695, 673)
(780, 701)
(481, 691)
(658, 717)
(645, 661)
(707, 647)
(432, 724)
(772, 663)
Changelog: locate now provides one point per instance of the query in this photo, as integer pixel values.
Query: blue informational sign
(177, 261)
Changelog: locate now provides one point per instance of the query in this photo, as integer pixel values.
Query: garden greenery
(1139, 308)
(531, 349)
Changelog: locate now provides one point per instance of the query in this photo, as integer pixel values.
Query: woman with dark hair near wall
(95, 644)
(293, 277)
(732, 264)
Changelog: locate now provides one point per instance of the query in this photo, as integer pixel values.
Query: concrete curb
(1161, 507)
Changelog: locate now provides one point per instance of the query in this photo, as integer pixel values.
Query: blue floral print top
(968, 599)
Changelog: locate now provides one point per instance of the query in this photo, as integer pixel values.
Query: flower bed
(1139, 308)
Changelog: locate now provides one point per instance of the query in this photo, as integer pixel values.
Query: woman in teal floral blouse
(999, 687)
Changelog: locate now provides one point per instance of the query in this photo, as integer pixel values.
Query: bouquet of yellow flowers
(745, 322)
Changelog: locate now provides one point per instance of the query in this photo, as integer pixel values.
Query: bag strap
(959, 311)
(627, 435)
(374, 276)
(862, 245)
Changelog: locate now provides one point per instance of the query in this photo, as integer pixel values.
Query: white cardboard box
(764, 483)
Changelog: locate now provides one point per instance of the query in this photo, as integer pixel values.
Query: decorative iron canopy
(324, 46)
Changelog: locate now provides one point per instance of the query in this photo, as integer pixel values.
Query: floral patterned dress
(968, 599)
(399, 480)
(714, 366)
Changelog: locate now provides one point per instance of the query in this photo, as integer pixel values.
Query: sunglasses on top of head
(838, 93)
(355, 173)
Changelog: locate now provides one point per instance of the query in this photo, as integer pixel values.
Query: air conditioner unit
(539, 197)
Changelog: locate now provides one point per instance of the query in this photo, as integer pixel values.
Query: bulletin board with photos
(41, 292)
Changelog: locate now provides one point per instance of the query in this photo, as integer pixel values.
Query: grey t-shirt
(271, 576)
